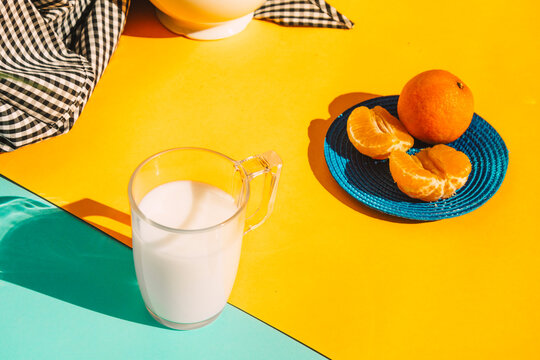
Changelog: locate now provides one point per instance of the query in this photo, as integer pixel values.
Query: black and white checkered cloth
(312, 13)
(53, 52)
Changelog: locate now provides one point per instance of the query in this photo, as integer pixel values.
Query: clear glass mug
(188, 217)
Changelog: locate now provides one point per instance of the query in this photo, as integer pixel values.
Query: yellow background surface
(343, 279)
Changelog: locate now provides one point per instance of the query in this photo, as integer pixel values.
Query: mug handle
(269, 165)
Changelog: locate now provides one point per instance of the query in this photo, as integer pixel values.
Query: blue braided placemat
(369, 181)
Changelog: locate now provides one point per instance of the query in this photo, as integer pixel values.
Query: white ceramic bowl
(206, 19)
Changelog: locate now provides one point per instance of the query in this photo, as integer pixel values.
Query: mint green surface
(69, 291)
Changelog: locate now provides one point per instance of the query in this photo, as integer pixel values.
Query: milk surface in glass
(186, 277)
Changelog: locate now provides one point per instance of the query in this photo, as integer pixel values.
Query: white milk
(187, 277)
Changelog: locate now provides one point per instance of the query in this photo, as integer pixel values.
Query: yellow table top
(341, 278)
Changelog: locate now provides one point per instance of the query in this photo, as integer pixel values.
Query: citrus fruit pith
(376, 133)
(431, 174)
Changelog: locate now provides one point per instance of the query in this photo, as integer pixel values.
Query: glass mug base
(183, 326)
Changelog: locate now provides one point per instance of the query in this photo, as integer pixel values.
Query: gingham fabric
(53, 52)
(312, 13)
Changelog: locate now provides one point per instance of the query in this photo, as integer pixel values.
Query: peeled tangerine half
(376, 133)
(432, 174)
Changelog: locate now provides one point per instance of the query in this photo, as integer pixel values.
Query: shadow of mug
(46, 249)
(88, 208)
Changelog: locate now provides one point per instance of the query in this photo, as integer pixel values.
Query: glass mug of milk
(188, 217)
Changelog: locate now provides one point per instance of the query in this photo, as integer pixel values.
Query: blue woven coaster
(369, 181)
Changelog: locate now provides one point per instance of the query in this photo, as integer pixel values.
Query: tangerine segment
(432, 174)
(448, 163)
(376, 133)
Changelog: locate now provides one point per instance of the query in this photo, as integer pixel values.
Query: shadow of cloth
(48, 250)
(142, 22)
(317, 132)
(87, 207)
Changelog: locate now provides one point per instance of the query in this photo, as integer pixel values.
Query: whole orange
(436, 107)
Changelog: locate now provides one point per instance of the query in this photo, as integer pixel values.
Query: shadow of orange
(87, 207)
(317, 132)
(142, 21)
